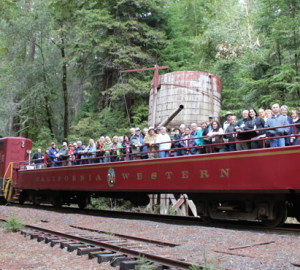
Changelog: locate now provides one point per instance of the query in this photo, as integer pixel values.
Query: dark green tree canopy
(61, 60)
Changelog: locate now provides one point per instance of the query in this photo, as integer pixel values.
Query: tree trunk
(248, 23)
(49, 114)
(295, 45)
(278, 52)
(32, 49)
(65, 89)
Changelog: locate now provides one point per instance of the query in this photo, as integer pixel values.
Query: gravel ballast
(220, 248)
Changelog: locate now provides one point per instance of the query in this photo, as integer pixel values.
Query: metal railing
(190, 148)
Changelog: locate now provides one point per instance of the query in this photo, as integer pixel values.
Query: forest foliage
(60, 60)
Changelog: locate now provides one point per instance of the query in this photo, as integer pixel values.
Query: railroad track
(182, 220)
(123, 251)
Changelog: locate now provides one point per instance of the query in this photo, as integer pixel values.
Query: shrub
(13, 224)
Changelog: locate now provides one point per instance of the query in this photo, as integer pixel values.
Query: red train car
(12, 151)
(257, 184)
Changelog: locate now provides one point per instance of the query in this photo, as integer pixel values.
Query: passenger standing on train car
(227, 121)
(164, 141)
(106, 147)
(126, 147)
(176, 143)
(157, 130)
(285, 111)
(216, 137)
(74, 152)
(71, 157)
(47, 159)
(115, 149)
(78, 152)
(63, 154)
(182, 129)
(90, 151)
(231, 137)
(252, 124)
(242, 136)
(262, 114)
(207, 130)
(99, 150)
(150, 141)
(38, 158)
(268, 113)
(144, 150)
(192, 143)
(136, 143)
(200, 141)
(53, 155)
(186, 142)
(181, 132)
(277, 120)
(296, 129)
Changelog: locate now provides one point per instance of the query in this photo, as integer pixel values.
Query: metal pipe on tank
(171, 117)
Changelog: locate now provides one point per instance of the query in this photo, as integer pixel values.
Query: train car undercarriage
(271, 209)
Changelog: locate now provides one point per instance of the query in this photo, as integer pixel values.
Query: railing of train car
(208, 147)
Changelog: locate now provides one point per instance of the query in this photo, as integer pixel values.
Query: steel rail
(127, 236)
(126, 251)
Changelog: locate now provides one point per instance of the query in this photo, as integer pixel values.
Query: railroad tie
(86, 250)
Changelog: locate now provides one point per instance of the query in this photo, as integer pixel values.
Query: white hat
(65, 144)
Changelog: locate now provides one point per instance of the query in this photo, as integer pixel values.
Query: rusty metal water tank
(199, 93)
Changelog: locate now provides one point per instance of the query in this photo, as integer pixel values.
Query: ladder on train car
(6, 181)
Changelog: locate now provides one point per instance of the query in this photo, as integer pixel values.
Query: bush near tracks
(13, 224)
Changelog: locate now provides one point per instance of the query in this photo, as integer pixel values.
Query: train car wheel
(280, 213)
(36, 200)
(57, 202)
(82, 202)
(22, 198)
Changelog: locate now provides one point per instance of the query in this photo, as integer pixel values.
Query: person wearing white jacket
(165, 143)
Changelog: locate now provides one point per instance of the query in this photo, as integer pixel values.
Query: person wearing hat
(78, 153)
(157, 130)
(176, 143)
(53, 155)
(137, 142)
(63, 155)
(207, 130)
(227, 121)
(150, 141)
(299, 110)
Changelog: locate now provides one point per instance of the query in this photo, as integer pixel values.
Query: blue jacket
(199, 134)
(52, 154)
(276, 121)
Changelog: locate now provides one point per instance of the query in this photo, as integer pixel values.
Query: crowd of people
(209, 137)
